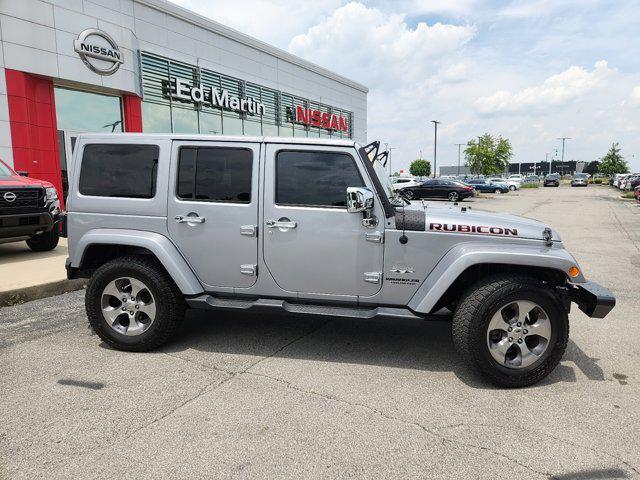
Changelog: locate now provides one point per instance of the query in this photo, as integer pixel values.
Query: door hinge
(375, 237)
(249, 230)
(372, 277)
(248, 269)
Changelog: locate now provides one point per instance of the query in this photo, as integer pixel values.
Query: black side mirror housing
(23, 173)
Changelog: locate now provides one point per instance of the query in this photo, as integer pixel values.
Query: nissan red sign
(318, 118)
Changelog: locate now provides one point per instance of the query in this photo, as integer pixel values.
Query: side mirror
(22, 173)
(359, 199)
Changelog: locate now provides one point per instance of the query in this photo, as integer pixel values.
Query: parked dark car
(435, 188)
(29, 210)
(580, 180)
(487, 186)
(552, 180)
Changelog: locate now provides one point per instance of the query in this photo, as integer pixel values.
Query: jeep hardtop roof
(219, 138)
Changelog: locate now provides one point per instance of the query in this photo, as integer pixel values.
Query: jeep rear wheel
(133, 304)
(512, 329)
(46, 241)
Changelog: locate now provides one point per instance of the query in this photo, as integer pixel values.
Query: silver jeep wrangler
(161, 223)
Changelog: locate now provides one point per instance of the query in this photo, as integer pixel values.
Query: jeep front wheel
(512, 329)
(132, 304)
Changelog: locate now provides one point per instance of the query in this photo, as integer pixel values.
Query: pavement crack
(442, 438)
(550, 436)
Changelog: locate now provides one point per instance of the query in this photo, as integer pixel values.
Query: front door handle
(191, 218)
(283, 224)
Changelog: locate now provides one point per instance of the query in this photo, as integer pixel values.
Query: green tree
(420, 168)
(592, 167)
(488, 155)
(613, 162)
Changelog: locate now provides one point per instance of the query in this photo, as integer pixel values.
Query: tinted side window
(315, 178)
(215, 174)
(119, 170)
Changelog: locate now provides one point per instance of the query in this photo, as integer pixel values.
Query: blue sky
(529, 71)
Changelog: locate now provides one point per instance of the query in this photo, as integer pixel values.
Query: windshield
(580, 175)
(5, 171)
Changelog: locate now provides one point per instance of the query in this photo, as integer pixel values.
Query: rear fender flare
(463, 256)
(165, 251)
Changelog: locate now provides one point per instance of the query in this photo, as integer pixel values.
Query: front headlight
(52, 194)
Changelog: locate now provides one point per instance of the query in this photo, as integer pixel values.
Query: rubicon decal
(448, 227)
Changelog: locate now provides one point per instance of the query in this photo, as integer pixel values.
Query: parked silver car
(162, 223)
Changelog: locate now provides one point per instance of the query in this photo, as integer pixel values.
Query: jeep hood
(467, 220)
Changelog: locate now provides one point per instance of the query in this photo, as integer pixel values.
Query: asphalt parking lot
(263, 397)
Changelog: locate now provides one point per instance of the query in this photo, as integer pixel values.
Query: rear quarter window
(119, 170)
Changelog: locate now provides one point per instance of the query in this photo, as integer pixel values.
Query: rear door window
(119, 170)
(215, 174)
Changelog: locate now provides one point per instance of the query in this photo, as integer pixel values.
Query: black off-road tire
(474, 312)
(46, 241)
(170, 304)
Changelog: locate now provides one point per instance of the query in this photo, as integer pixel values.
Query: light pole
(563, 140)
(459, 145)
(435, 146)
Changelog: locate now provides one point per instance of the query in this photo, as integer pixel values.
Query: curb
(27, 294)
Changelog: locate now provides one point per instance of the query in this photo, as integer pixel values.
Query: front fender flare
(465, 255)
(158, 244)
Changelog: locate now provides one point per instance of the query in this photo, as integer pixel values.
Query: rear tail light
(468, 188)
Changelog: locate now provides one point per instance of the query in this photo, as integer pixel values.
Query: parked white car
(516, 177)
(511, 183)
(402, 182)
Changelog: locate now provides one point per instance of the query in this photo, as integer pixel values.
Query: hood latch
(547, 236)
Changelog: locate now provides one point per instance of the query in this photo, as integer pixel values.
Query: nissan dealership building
(73, 66)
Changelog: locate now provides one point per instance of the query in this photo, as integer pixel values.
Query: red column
(32, 118)
(132, 106)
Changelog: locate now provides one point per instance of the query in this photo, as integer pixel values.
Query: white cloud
(556, 90)
(635, 94)
(375, 47)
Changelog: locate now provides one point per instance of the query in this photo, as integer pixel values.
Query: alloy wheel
(128, 306)
(518, 334)
(453, 196)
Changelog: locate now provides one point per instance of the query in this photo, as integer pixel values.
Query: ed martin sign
(98, 51)
(213, 97)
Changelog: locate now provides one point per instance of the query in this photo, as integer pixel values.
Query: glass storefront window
(269, 130)
(210, 123)
(232, 125)
(86, 111)
(156, 118)
(252, 128)
(184, 120)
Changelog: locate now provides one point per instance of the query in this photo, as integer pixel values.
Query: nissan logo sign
(98, 51)
(10, 197)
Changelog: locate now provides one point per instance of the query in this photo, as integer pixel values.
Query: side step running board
(209, 302)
